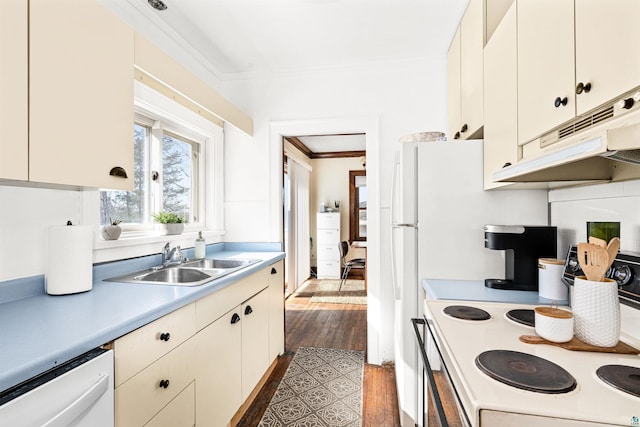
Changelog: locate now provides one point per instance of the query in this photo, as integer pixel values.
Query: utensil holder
(596, 311)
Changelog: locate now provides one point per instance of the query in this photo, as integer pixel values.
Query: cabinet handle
(164, 384)
(464, 128)
(118, 171)
(560, 101)
(457, 135)
(583, 88)
(273, 271)
(506, 164)
(248, 310)
(235, 318)
(165, 336)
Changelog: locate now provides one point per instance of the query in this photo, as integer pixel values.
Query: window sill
(134, 244)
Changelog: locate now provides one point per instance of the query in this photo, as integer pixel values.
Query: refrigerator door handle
(394, 268)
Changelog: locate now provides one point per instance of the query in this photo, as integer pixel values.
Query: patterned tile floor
(321, 388)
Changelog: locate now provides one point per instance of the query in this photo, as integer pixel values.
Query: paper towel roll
(69, 260)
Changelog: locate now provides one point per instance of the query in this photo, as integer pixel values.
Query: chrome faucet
(170, 255)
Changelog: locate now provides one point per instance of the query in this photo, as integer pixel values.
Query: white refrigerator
(438, 211)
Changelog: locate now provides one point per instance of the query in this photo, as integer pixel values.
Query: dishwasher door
(79, 393)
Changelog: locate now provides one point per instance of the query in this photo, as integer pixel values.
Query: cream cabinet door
(255, 341)
(500, 102)
(80, 94)
(219, 370)
(607, 50)
(454, 95)
(546, 93)
(276, 310)
(471, 82)
(179, 412)
(14, 144)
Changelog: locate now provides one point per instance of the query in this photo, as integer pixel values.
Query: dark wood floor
(341, 326)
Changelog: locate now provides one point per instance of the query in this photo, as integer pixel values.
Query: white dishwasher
(78, 393)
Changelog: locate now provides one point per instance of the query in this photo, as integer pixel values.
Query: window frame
(162, 114)
(354, 207)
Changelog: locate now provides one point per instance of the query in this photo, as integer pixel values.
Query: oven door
(441, 406)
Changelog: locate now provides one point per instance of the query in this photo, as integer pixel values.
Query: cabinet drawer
(328, 236)
(138, 349)
(142, 397)
(328, 252)
(328, 269)
(213, 306)
(328, 220)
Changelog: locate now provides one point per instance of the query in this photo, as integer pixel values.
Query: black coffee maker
(523, 246)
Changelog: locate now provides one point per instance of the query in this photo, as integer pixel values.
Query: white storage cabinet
(328, 239)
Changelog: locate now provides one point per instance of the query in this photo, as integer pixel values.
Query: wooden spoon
(594, 261)
(612, 249)
(596, 241)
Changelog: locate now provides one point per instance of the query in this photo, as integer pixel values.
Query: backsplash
(572, 208)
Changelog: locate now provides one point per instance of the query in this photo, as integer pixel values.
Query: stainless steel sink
(223, 263)
(194, 273)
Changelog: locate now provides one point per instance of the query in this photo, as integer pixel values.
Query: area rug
(321, 388)
(352, 292)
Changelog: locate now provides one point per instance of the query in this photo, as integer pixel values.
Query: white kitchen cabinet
(545, 66)
(501, 99)
(328, 239)
(80, 95)
(586, 56)
(147, 393)
(464, 73)
(255, 341)
(276, 309)
(14, 48)
(607, 50)
(179, 412)
(218, 364)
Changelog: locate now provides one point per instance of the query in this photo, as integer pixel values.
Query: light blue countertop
(474, 290)
(38, 332)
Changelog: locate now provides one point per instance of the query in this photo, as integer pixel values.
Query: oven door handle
(432, 380)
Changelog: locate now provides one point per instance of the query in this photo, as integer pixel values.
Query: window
(176, 152)
(358, 205)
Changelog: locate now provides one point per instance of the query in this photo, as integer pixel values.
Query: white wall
(330, 182)
(571, 208)
(403, 98)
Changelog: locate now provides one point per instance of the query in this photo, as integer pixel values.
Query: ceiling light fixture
(157, 4)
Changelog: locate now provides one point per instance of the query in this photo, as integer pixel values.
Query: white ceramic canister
(596, 311)
(550, 283)
(554, 324)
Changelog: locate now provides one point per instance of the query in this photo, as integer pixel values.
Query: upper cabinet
(464, 73)
(545, 66)
(13, 87)
(607, 50)
(586, 56)
(501, 99)
(80, 95)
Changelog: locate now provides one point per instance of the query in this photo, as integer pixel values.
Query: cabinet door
(255, 341)
(607, 46)
(14, 160)
(276, 310)
(545, 66)
(500, 102)
(471, 83)
(453, 88)
(218, 370)
(180, 412)
(80, 94)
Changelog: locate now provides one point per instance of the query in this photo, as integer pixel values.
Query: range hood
(587, 148)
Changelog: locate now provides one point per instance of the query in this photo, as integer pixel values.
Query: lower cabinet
(199, 364)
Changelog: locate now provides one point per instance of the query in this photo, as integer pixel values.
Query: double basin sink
(191, 273)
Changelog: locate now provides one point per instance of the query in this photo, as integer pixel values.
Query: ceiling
(239, 39)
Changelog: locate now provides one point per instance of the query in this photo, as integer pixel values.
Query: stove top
(525, 317)
(465, 312)
(624, 378)
(462, 342)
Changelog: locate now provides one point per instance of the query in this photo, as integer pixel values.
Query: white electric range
(485, 402)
